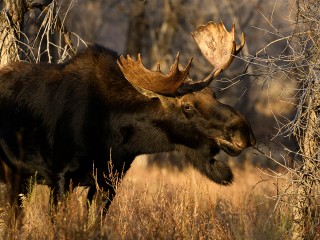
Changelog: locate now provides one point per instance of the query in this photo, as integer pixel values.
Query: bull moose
(59, 120)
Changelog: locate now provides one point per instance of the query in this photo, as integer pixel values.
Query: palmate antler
(155, 81)
(216, 44)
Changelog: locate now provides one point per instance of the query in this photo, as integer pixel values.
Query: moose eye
(188, 108)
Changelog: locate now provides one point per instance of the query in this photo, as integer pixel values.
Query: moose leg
(108, 193)
(5, 183)
(108, 178)
(57, 191)
(60, 186)
(10, 176)
(105, 185)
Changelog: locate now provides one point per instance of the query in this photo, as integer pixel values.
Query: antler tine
(243, 41)
(175, 65)
(218, 47)
(139, 58)
(154, 81)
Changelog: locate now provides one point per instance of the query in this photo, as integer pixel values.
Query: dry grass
(155, 203)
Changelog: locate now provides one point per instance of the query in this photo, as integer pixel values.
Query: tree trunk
(11, 21)
(307, 184)
(137, 28)
(160, 51)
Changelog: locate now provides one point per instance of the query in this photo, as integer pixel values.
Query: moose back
(59, 120)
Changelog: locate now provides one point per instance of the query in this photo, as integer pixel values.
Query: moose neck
(145, 125)
(152, 128)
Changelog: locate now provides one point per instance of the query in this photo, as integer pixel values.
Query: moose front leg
(106, 191)
(107, 177)
(59, 187)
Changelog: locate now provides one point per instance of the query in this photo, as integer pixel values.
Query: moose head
(205, 124)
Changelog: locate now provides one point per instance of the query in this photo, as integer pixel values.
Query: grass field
(154, 203)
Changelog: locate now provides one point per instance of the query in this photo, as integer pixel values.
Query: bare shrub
(299, 60)
(154, 204)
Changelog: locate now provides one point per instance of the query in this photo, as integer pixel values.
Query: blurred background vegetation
(274, 83)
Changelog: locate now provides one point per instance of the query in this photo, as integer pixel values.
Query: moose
(59, 120)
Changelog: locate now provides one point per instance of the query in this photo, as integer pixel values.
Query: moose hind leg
(59, 188)
(11, 183)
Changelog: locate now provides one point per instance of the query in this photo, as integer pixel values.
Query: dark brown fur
(56, 120)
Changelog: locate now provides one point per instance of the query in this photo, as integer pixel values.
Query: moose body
(65, 122)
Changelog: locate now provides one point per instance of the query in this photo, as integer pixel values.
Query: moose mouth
(234, 142)
(229, 147)
(232, 148)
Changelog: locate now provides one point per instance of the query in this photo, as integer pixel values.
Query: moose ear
(147, 93)
(208, 91)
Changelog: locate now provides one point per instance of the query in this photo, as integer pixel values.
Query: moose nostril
(252, 139)
(238, 139)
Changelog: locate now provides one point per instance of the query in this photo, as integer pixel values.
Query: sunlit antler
(155, 81)
(218, 46)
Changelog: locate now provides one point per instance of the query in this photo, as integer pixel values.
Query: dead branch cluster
(39, 34)
(300, 61)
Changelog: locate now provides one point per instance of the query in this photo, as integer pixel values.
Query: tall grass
(154, 203)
